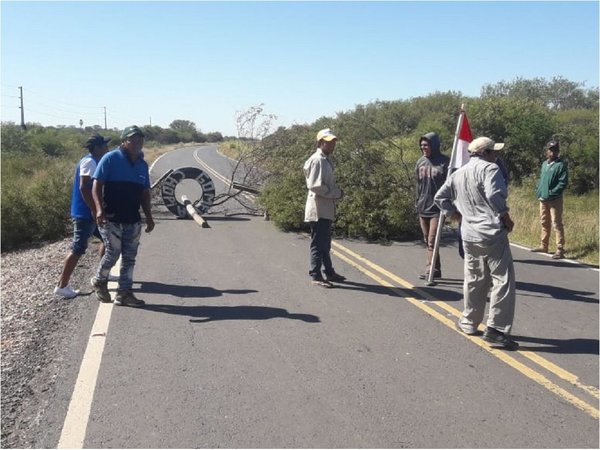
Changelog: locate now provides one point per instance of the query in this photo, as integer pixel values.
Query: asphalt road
(237, 349)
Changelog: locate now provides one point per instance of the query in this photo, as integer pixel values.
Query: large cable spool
(169, 186)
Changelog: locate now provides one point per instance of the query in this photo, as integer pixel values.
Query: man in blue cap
(83, 212)
(121, 186)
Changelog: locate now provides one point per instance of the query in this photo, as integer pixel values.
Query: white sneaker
(66, 292)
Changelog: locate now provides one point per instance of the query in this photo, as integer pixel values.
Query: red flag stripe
(465, 130)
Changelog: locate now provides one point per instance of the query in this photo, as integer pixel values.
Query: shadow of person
(371, 288)
(559, 346)
(243, 312)
(557, 292)
(446, 295)
(442, 294)
(183, 291)
(556, 263)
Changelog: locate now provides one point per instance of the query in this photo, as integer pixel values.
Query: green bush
(284, 202)
(35, 207)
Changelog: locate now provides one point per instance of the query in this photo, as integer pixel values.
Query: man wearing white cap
(476, 193)
(319, 211)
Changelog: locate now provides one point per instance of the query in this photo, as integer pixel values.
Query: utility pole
(150, 120)
(22, 110)
(105, 118)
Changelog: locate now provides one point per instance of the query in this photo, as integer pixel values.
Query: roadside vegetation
(375, 159)
(378, 147)
(580, 221)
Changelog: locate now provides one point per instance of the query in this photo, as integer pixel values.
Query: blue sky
(204, 61)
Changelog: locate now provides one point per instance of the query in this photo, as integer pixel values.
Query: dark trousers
(320, 246)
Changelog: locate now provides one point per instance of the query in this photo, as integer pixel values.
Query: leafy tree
(577, 131)
(214, 136)
(183, 125)
(524, 125)
(186, 131)
(557, 94)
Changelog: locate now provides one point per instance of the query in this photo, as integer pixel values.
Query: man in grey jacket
(319, 211)
(476, 194)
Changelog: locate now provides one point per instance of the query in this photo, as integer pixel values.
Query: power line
(71, 116)
(62, 101)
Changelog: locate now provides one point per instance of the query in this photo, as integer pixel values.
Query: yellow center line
(543, 362)
(500, 354)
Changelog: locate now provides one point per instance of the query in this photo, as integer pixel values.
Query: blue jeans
(120, 239)
(320, 246)
(83, 230)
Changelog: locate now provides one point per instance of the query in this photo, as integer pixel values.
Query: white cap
(326, 135)
(481, 144)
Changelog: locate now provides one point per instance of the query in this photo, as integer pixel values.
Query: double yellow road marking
(387, 279)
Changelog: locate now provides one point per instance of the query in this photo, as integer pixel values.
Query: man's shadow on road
(559, 346)
(556, 263)
(374, 289)
(242, 312)
(212, 313)
(183, 291)
(556, 292)
(442, 294)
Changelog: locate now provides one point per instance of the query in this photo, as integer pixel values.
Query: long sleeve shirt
(478, 191)
(553, 180)
(322, 190)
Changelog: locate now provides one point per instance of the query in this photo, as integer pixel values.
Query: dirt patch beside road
(36, 327)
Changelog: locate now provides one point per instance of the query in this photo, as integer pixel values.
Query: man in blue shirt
(83, 212)
(121, 186)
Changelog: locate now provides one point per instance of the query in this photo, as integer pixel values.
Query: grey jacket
(430, 173)
(478, 191)
(322, 190)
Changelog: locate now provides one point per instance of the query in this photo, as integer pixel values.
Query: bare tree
(249, 170)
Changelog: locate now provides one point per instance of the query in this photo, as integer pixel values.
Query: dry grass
(580, 217)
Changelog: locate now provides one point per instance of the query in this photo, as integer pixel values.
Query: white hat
(326, 135)
(481, 144)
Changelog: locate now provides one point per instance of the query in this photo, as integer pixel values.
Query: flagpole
(438, 233)
(455, 144)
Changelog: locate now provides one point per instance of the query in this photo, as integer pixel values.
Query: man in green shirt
(554, 178)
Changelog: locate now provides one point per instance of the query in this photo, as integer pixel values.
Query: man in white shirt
(83, 213)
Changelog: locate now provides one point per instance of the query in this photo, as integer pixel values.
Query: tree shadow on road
(244, 312)
(559, 346)
(183, 291)
(557, 292)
